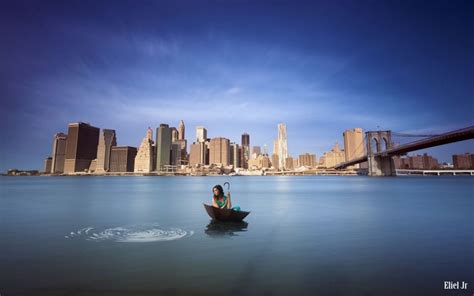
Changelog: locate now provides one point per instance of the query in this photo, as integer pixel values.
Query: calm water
(305, 235)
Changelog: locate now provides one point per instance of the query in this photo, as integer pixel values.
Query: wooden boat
(225, 214)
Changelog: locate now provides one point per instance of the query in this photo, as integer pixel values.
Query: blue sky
(233, 66)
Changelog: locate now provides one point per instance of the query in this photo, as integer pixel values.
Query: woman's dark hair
(221, 190)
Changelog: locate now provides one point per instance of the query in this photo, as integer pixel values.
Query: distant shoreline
(404, 173)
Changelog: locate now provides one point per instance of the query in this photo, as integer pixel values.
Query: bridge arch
(374, 145)
(385, 145)
(380, 164)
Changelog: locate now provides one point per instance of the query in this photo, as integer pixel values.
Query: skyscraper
(182, 144)
(282, 145)
(144, 159)
(175, 154)
(107, 139)
(59, 153)
(354, 145)
(195, 154)
(174, 134)
(235, 157)
(81, 147)
(179, 156)
(181, 130)
(122, 158)
(199, 153)
(163, 146)
(245, 151)
(201, 134)
(219, 151)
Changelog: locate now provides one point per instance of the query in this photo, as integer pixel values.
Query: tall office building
(175, 154)
(181, 130)
(235, 155)
(201, 134)
(174, 134)
(195, 154)
(81, 147)
(199, 154)
(282, 145)
(144, 159)
(219, 151)
(179, 156)
(59, 153)
(245, 154)
(354, 145)
(107, 139)
(182, 145)
(122, 158)
(163, 146)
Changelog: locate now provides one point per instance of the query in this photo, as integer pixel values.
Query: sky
(321, 67)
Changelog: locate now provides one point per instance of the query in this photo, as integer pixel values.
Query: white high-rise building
(201, 134)
(181, 130)
(282, 145)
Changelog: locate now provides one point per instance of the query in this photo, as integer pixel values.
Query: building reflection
(223, 229)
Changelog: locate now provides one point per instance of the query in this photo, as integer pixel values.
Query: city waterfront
(307, 235)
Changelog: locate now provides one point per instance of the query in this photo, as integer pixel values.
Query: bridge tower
(380, 163)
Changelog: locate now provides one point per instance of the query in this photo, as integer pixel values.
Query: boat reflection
(222, 229)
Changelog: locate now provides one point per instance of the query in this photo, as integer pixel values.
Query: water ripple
(130, 234)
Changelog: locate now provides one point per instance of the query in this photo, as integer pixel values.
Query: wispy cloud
(231, 73)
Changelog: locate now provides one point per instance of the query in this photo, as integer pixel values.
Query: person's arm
(214, 204)
(229, 202)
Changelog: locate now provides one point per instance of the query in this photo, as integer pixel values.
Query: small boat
(225, 214)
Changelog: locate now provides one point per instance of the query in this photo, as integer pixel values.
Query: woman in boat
(219, 200)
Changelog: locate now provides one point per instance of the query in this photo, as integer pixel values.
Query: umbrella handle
(228, 186)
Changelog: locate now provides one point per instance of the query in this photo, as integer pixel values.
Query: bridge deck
(446, 138)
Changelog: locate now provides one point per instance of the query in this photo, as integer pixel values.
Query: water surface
(305, 236)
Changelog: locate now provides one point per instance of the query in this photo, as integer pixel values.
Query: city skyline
(201, 135)
(233, 68)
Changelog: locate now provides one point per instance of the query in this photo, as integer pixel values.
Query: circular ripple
(130, 234)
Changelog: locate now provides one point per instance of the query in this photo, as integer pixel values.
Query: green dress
(222, 203)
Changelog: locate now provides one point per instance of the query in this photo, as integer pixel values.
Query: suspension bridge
(380, 148)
